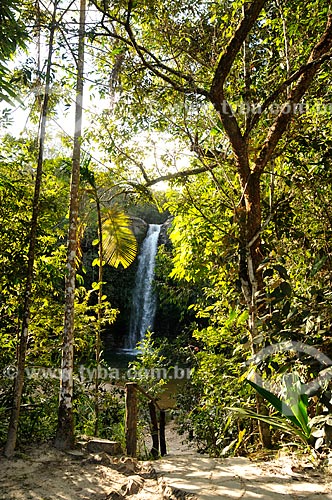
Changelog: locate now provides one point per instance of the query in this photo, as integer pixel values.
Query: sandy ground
(44, 473)
(239, 478)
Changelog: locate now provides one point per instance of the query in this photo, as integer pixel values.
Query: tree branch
(157, 67)
(239, 144)
(275, 133)
(227, 59)
(272, 98)
(217, 94)
(180, 175)
(141, 51)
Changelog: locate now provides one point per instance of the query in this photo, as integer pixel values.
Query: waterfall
(144, 302)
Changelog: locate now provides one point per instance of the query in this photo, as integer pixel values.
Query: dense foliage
(228, 104)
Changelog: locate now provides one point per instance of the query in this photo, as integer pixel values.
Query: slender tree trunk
(23, 338)
(99, 314)
(154, 430)
(65, 430)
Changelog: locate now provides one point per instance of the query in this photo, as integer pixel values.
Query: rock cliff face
(139, 228)
(163, 236)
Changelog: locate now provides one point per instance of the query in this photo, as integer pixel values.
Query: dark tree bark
(162, 425)
(154, 430)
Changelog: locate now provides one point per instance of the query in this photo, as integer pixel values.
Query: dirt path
(44, 473)
(207, 478)
(233, 478)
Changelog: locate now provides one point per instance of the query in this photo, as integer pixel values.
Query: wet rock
(163, 236)
(139, 228)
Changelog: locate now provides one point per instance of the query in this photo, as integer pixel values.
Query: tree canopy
(13, 35)
(225, 105)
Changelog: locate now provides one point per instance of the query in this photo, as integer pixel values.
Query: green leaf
(276, 402)
(286, 289)
(281, 291)
(119, 242)
(79, 279)
(95, 285)
(318, 266)
(243, 318)
(297, 403)
(286, 308)
(274, 421)
(214, 131)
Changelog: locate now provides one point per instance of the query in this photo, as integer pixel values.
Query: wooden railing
(157, 428)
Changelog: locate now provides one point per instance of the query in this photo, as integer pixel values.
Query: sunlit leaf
(119, 242)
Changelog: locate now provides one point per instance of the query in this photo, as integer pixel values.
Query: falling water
(143, 307)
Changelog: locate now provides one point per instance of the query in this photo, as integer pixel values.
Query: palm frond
(274, 421)
(119, 242)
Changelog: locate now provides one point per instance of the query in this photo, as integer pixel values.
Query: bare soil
(45, 473)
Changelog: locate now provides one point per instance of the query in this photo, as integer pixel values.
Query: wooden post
(154, 430)
(162, 424)
(131, 419)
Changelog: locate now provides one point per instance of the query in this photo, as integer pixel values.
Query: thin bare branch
(182, 174)
(286, 114)
(283, 87)
(155, 65)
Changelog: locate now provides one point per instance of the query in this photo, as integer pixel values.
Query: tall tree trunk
(99, 314)
(251, 257)
(249, 213)
(23, 339)
(65, 429)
